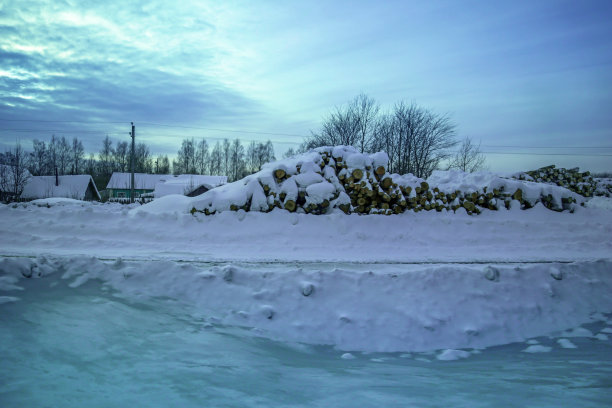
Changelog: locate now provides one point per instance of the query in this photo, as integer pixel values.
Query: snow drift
(368, 308)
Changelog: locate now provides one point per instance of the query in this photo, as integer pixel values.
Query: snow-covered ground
(164, 229)
(100, 301)
(414, 281)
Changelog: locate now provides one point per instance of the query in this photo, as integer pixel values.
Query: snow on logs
(329, 178)
(572, 179)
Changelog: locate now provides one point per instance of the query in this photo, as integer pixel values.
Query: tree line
(416, 139)
(63, 156)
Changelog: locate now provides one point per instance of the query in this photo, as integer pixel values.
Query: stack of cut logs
(331, 179)
(572, 179)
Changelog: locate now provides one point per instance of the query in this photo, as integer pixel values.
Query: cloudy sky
(521, 77)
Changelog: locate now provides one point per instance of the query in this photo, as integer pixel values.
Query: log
(279, 174)
(357, 174)
(290, 205)
(380, 170)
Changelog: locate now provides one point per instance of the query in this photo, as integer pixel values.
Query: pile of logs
(572, 179)
(342, 178)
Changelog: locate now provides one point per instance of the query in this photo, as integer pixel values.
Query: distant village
(59, 168)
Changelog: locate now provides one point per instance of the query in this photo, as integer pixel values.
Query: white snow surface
(370, 308)
(186, 183)
(409, 282)
(164, 229)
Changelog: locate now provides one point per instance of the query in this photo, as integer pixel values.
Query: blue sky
(520, 73)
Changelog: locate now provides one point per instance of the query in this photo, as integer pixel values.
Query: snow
(383, 308)
(173, 203)
(166, 229)
(186, 183)
(604, 203)
(442, 282)
(69, 187)
(57, 201)
(165, 184)
(142, 181)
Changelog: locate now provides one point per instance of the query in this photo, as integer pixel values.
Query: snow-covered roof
(142, 181)
(186, 183)
(69, 187)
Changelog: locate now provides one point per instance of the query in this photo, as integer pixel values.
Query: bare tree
(106, 156)
(352, 125)
(251, 157)
(226, 156)
(162, 165)
(77, 154)
(90, 165)
(202, 157)
(416, 139)
(469, 158)
(142, 159)
(38, 158)
(63, 155)
(365, 113)
(236, 161)
(121, 156)
(216, 160)
(186, 158)
(289, 153)
(52, 153)
(339, 128)
(14, 172)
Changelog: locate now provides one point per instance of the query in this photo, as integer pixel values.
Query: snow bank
(172, 203)
(378, 308)
(48, 202)
(166, 229)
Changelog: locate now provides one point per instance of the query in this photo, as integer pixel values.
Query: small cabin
(78, 187)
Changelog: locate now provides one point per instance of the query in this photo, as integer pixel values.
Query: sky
(529, 79)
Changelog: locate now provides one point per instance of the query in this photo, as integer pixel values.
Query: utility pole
(133, 134)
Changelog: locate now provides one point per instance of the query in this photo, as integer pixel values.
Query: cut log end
(279, 174)
(290, 205)
(357, 174)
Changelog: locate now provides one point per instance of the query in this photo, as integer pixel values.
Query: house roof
(142, 181)
(186, 183)
(69, 187)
